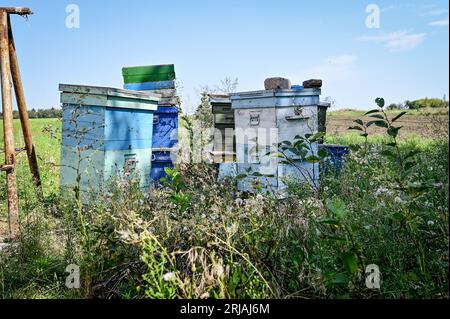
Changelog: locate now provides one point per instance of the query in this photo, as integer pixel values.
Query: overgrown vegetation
(200, 238)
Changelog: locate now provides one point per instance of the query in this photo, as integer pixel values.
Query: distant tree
(393, 106)
(40, 113)
(426, 102)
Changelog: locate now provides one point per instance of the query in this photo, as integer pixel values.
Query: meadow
(200, 238)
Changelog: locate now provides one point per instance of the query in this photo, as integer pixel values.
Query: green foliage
(200, 238)
(426, 102)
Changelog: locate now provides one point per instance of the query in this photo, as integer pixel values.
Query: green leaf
(337, 207)
(329, 221)
(312, 159)
(409, 165)
(319, 135)
(398, 217)
(355, 128)
(398, 116)
(360, 122)
(380, 102)
(350, 262)
(299, 144)
(388, 153)
(354, 147)
(412, 154)
(377, 123)
(393, 131)
(392, 144)
(322, 153)
(279, 155)
(371, 112)
(340, 279)
(377, 116)
(416, 190)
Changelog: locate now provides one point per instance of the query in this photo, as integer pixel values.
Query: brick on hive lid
(313, 83)
(277, 83)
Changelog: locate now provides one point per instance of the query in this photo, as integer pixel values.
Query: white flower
(381, 191)
(170, 276)
(205, 295)
(400, 201)
(219, 270)
(239, 202)
(430, 223)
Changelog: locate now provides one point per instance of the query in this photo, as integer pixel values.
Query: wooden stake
(10, 157)
(23, 113)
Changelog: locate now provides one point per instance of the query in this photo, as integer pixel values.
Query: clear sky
(407, 57)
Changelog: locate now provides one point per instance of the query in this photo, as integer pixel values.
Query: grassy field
(200, 238)
(425, 123)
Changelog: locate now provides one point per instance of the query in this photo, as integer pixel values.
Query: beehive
(224, 148)
(158, 79)
(322, 118)
(106, 133)
(265, 118)
(156, 74)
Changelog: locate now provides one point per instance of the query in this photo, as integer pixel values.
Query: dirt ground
(428, 126)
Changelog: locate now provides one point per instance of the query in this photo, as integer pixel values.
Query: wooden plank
(23, 112)
(99, 90)
(16, 10)
(149, 69)
(102, 100)
(10, 157)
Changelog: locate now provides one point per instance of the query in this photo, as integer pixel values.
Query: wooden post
(10, 156)
(23, 113)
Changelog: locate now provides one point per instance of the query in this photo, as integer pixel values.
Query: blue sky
(405, 58)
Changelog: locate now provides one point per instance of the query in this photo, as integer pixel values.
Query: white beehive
(265, 118)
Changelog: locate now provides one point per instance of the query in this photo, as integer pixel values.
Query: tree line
(40, 113)
(419, 104)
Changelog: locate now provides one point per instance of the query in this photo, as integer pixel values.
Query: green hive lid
(151, 73)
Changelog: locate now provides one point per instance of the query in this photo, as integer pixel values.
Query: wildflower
(205, 295)
(170, 276)
(219, 270)
(430, 223)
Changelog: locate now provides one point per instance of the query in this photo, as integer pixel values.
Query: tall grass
(200, 238)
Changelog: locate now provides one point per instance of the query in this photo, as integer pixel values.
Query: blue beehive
(165, 125)
(150, 86)
(165, 138)
(336, 156)
(105, 133)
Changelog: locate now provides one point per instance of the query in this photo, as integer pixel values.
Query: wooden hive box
(224, 149)
(264, 118)
(106, 133)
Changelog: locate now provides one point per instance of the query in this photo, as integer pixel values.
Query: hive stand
(10, 69)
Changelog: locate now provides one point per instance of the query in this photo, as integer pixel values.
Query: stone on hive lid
(313, 83)
(277, 84)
